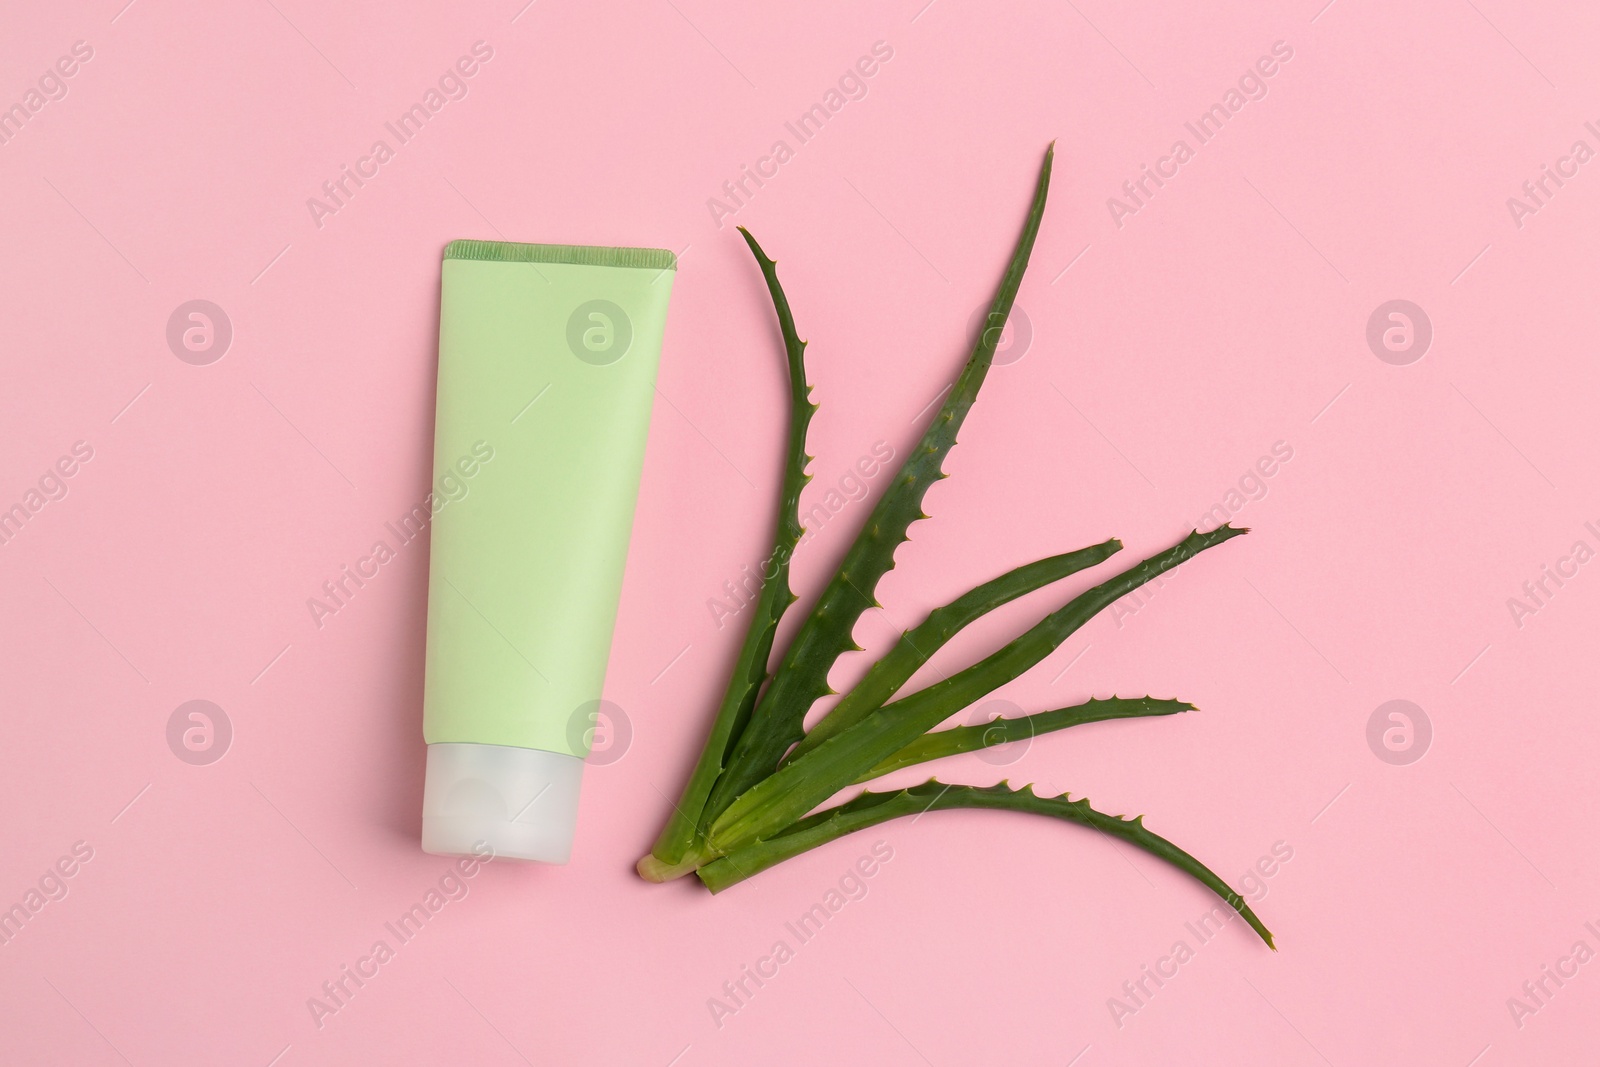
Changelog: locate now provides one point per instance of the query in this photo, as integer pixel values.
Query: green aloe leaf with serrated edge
(797, 787)
(749, 802)
(1004, 731)
(871, 809)
(918, 644)
(682, 831)
(802, 678)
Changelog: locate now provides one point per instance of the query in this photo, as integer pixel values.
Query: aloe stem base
(654, 869)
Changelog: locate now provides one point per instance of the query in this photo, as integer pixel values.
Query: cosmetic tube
(547, 367)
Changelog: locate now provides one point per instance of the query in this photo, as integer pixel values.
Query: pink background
(1227, 315)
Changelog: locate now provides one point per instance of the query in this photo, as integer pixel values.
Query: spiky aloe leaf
(797, 787)
(958, 739)
(682, 831)
(802, 677)
(871, 809)
(919, 643)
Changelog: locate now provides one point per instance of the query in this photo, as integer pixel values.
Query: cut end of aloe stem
(653, 869)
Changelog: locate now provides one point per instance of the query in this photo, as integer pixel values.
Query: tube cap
(521, 802)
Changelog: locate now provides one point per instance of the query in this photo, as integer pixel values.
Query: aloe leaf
(682, 831)
(797, 787)
(959, 739)
(871, 809)
(918, 644)
(802, 677)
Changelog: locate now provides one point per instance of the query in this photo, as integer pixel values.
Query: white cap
(521, 802)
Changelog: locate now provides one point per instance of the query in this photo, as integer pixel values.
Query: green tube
(547, 367)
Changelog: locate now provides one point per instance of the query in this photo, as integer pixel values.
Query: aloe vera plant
(753, 797)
